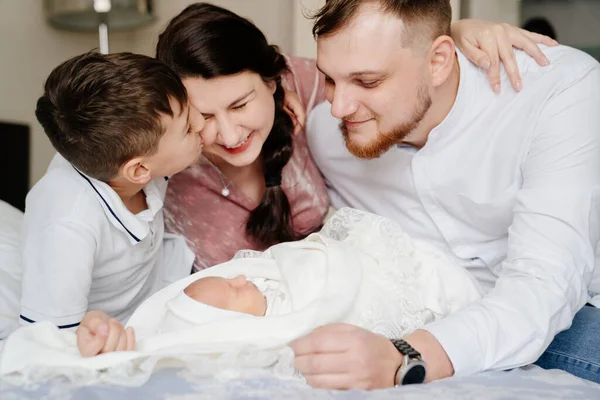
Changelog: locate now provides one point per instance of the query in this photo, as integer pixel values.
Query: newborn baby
(214, 298)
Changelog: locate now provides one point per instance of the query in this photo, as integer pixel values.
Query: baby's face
(234, 294)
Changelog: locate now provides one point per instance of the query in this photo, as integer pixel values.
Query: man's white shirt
(508, 184)
(84, 250)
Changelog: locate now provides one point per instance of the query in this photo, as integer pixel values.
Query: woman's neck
(237, 174)
(249, 178)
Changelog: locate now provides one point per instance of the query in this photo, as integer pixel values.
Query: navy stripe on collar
(106, 203)
(24, 318)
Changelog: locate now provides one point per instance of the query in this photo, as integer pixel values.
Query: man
(508, 183)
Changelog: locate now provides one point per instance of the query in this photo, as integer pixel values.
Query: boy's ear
(136, 171)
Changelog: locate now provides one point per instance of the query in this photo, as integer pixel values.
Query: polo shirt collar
(135, 226)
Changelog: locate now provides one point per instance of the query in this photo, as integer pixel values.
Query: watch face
(416, 374)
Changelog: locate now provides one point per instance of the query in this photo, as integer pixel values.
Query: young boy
(93, 234)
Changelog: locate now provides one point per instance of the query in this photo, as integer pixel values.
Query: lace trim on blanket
(390, 302)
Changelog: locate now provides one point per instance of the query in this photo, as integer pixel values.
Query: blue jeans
(577, 350)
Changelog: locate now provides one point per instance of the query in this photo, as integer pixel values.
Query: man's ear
(136, 171)
(442, 56)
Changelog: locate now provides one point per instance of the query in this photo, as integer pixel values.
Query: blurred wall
(576, 22)
(493, 10)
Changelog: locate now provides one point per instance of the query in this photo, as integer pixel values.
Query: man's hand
(98, 333)
(341, 356)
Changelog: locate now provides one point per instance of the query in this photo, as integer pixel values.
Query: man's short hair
(99, 111)
(424, 19)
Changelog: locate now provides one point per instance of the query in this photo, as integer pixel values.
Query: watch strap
(406, 349)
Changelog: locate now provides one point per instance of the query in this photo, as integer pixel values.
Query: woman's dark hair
(209, 41)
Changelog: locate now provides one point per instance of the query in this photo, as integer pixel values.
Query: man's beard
(385, 140)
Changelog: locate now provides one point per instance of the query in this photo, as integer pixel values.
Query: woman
(256, 184)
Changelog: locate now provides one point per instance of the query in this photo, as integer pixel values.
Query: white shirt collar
(135, 226)
(458, 108)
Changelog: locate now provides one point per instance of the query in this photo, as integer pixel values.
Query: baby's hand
(98, 333)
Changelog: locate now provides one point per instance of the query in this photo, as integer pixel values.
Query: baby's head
(233, 294)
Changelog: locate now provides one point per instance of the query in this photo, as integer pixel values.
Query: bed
(526, 383)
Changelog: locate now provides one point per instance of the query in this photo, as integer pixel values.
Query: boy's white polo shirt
(84, 250)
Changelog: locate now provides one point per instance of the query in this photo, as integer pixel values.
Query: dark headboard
(14, 163)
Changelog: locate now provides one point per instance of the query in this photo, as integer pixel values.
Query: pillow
(11, 220)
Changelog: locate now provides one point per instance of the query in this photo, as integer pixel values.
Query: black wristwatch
(412, 369)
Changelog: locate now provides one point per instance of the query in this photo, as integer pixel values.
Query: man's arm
(551, 244)
(58, 261)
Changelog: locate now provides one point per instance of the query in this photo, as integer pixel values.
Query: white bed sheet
(528, 383)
